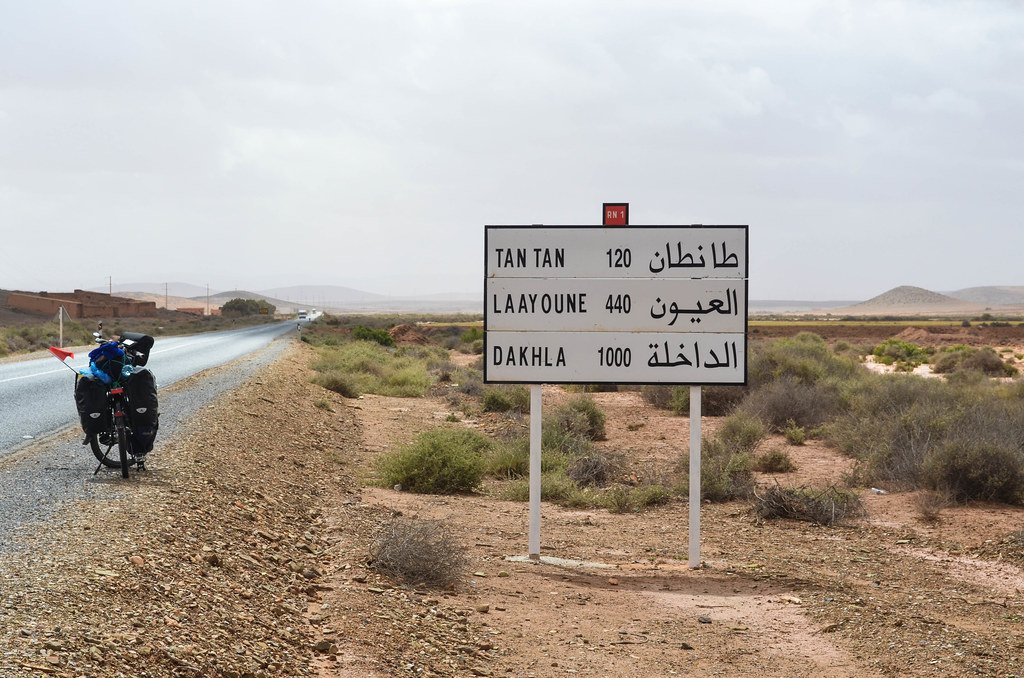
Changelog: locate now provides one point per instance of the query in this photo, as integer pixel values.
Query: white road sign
(602, 252)
(641, 304)
(602, 305)
(616, 357)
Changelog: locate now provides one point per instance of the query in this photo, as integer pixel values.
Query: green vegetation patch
(439, 461)
(366, 367)
(903, 354)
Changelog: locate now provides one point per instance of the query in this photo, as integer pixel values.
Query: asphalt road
(41, 473)
(37, 396)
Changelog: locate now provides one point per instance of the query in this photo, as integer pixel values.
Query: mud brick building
(80, 304)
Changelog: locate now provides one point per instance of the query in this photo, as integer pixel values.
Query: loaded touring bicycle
(117, 401)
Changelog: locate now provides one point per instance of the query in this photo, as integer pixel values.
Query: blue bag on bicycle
(106, 361)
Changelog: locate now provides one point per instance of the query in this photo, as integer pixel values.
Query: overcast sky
(254, 144)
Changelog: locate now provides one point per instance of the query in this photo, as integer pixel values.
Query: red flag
(61, 354)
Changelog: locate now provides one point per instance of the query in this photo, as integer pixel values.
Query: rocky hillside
(910, 299)
(993, 295)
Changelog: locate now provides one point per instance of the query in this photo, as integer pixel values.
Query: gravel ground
(216, 561)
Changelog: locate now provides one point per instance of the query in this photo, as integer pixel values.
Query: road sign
(645, 305)
(616, 305)
(615, 214)
(598, 252)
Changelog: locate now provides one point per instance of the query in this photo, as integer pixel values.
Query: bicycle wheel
(101, 446)
(122, 449)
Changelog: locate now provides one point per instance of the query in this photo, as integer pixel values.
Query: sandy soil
(890, 595)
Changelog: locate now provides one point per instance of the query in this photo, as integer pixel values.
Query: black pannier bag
(91, 401)
(142, 409)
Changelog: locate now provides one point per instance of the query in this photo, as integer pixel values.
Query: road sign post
(637, 305)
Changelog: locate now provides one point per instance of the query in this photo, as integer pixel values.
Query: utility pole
(165, 297)
(110, 285)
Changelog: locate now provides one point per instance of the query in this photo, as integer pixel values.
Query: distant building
(81, 304)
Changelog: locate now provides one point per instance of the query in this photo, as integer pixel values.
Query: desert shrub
(715, 401)
(968, 440)
(904, 354)
(726, 473)
(964, 358)
(619, 499)
(656, 395)
(786, 400)
(593, 469)
(581, 415)
(507, 398)
(469, 382)
(651, 495)
(378, 336)
(823, 507)
(774, 461)
(323, 404)
(565, 435)
(891, 425)
(439, 461)
(929, 505)
(949, 359)
(555, 487)
(339, 382)
(741, 432)
(622, 499)
(978, 470)
(510, 458)
(805, 358)
(987, 361)
(471, 335)
(418, 552)
(795, 435)
(372, 368)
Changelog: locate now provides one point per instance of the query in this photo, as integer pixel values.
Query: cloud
(942, 101)
(271, 144)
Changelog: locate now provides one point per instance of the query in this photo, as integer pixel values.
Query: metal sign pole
(694, 477)
(60, 317)
(536, 423)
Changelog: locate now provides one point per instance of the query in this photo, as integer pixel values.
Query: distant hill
(908, 299)
(996, 295)
(174, 289)
(323, 295)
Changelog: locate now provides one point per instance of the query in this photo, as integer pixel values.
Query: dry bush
(418, 552)
(977, 469)
(776, 460)
(593, 469)
(822, 507)
(741, 432)
(580, 415)
(788, 401)
(726, 473)
(929, 504)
